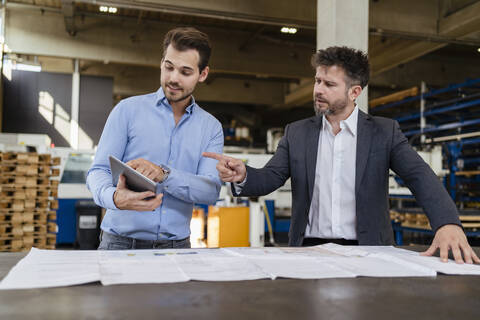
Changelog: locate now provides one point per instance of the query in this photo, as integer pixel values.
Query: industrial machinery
(278, 204)
(72, 189)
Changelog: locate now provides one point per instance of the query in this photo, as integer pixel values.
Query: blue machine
(278, 225)
(71, 189)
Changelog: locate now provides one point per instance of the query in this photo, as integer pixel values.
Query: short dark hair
(186, 38)
(353, 62)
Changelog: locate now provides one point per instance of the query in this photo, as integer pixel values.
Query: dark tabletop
(443, 297)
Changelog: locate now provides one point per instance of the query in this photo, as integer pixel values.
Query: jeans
(110, 241)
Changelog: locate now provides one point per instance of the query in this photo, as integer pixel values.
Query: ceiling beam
(68, 10)
(456, 26)
(461, 23)
(300, 13)
(108, 39)
(399, 52)
(300, 96)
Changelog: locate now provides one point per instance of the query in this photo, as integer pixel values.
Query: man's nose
(318, 89)
(174, 76)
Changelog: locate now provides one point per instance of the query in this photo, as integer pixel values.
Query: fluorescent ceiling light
(28, 67)
(288, 30)
(478, 49)
(108, 9)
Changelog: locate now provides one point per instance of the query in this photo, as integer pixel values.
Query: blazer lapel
(311, 151)
(364, 138)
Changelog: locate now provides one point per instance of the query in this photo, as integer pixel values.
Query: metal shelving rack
(449, 117)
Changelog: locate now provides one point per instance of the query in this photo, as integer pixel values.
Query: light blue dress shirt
(144, 127)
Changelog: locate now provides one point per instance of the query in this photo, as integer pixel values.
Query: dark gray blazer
(380, 146)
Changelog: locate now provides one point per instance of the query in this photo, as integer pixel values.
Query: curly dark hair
(186, 38)
(353, 62)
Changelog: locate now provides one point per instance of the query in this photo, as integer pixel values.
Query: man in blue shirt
(162, 135)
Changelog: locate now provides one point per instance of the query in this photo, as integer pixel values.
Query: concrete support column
(344, 23)
(75, 105)
(2, 47)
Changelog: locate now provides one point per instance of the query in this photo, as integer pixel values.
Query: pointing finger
(213, 155)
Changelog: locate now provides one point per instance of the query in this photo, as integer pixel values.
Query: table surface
(443, 297)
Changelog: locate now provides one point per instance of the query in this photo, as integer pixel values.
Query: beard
(179, 95)
(332, 108)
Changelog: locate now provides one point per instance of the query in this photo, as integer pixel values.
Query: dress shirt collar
(350, 123)
(161, 99)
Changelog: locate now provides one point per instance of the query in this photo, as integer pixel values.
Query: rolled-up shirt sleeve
(202, 187)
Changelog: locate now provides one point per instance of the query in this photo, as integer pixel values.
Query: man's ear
(203, 74)
(354, 92)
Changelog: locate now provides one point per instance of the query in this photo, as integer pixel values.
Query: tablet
(135, 180)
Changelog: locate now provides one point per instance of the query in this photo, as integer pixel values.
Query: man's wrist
(242, 182)
(114, 198)
(166, 173)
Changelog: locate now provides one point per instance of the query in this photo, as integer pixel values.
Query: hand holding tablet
(135, 180)
(134, 190)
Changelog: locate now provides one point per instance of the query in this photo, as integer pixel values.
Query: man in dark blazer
(339, 162)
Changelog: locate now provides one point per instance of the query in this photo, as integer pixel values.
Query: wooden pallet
(25, 217)
(52, 227)
(27, 182)
(9, 206)
(19, 157)
(26, 243)
(52, 216)
(31, 241)
(51, 239)
(29, 158)
(420, 220)
(55, 161)
(472, 221)
(8, 170)
(26, 194)
(8, 231)
(36, 191)
(11, 244)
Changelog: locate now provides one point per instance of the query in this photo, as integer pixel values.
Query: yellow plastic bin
(228, 227)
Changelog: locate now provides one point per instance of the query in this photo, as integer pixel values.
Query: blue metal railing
(446, 126)
(439, 110)
(430, 93)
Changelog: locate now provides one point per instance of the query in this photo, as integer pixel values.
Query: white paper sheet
(413, 258)
(228, 268)
(139, 266)
(53, 268)
(299, 268)
(434, 263)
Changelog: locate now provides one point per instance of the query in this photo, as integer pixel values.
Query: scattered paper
(54, 268)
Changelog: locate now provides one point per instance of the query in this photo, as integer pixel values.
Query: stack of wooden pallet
(28, 188)
(470, 222)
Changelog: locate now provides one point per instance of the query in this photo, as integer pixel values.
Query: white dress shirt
(332, 212)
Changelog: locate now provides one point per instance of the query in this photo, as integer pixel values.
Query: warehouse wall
(40, 102)
(96, 102)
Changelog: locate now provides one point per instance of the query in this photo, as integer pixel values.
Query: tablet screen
(135, 181)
